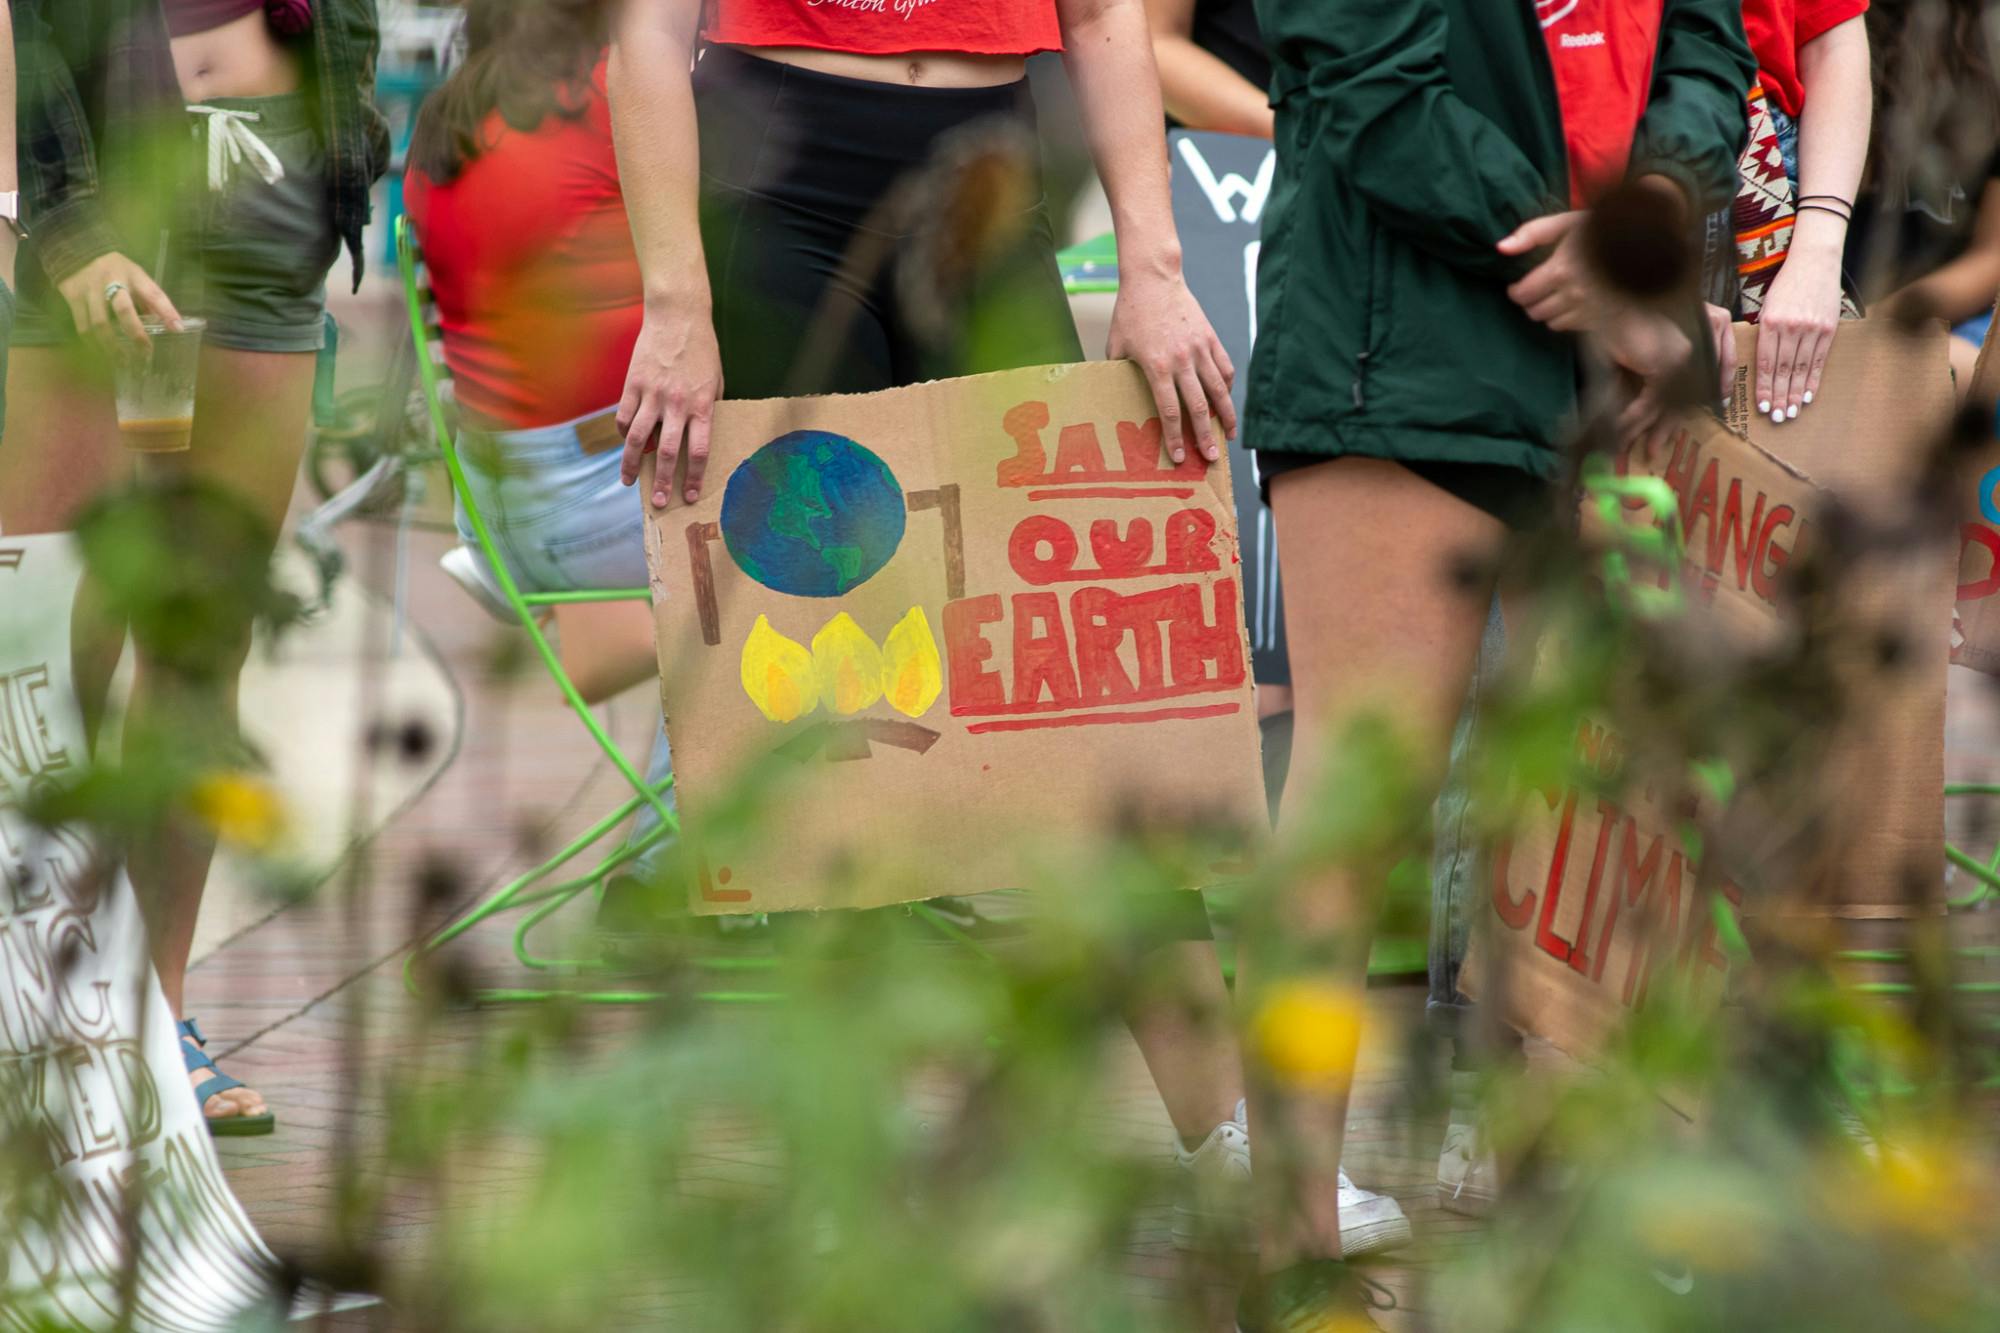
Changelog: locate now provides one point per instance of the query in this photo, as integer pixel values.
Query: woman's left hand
(1795, 332)
(1158, 324)
(1562, 291)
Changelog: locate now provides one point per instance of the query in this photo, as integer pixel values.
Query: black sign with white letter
(1220, 183)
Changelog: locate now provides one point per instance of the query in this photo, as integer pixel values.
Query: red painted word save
(1080, 459)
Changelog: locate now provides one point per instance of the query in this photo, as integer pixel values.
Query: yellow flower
(1715, 1234)
(1307, 1034)
(1926, 1187)
(1331, 1323)
(239, 809)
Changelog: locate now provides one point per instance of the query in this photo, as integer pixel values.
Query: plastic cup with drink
(155, 386)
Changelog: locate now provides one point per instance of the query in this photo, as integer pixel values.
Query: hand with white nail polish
(1795, 329)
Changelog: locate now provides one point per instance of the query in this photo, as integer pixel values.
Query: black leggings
(837, 264)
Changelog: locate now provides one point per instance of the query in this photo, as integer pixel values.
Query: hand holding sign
(1158, 324)
(670, 393)
(945, 628)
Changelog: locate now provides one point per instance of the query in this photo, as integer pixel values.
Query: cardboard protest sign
(1975, 639)
(1594, 900)
(946, 629)
(1220, 184)
(90, 1067)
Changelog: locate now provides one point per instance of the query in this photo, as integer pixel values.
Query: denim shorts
(257, 270)
(1458, 868)
(561, 520)
(559, 515)
(1788, 141)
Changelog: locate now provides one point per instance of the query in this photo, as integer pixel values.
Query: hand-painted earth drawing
(812, 514)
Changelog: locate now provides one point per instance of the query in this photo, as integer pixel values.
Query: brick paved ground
(282, 999)
(285, 999)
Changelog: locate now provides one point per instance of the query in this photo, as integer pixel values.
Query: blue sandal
(223, 1126)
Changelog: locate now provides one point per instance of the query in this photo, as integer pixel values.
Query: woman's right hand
(670, 395)
(104, 320)
(1651, 349)
(1723, 335)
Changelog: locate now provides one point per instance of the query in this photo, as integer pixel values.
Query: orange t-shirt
(532, 266)
(1601, 52)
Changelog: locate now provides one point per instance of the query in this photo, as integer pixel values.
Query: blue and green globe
(812, 514)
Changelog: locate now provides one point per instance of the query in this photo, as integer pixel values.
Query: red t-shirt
(1778, 28)
(532, 266)
(890, 27)
(1602, 54)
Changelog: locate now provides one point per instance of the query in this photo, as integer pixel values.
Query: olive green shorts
(257, 269)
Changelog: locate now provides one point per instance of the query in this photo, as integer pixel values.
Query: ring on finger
(111, 290)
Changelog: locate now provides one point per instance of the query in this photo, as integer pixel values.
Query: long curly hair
(527, 60)
(1937, 106)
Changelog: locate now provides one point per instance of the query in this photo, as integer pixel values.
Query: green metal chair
(539, 892)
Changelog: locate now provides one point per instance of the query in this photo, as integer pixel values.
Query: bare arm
(676, 371)
(1156, 322)
(1199, 90)
(1968, 284)
(1802, 310)
(9, 174)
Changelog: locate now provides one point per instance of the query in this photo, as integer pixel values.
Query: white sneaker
(1468, 1175)
(1219, 1202)
(1213, 1211)
(1369, 1221)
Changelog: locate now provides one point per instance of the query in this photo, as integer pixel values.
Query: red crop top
(890, 27)
(288, 17)
(531, 261)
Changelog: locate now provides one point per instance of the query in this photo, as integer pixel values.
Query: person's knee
(187, 566)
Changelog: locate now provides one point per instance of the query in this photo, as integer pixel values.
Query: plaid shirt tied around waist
(107, 153)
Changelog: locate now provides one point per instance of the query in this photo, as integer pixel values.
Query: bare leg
(250, 422)
(1963, 353)
(607, 647)
(61, 452)
(1182, 1023)
(1382, 629)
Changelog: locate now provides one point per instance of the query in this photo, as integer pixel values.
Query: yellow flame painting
(849, 666)
(844, 670)
(778, 674)
(912, 675)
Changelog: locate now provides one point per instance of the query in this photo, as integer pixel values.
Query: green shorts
(257, 270)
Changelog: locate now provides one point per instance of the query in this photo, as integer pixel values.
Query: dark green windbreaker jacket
(1412, 135)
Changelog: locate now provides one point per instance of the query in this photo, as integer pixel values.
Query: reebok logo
(1575, 39)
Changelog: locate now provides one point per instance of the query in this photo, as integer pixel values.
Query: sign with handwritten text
(117, 1175)
(943, 631)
